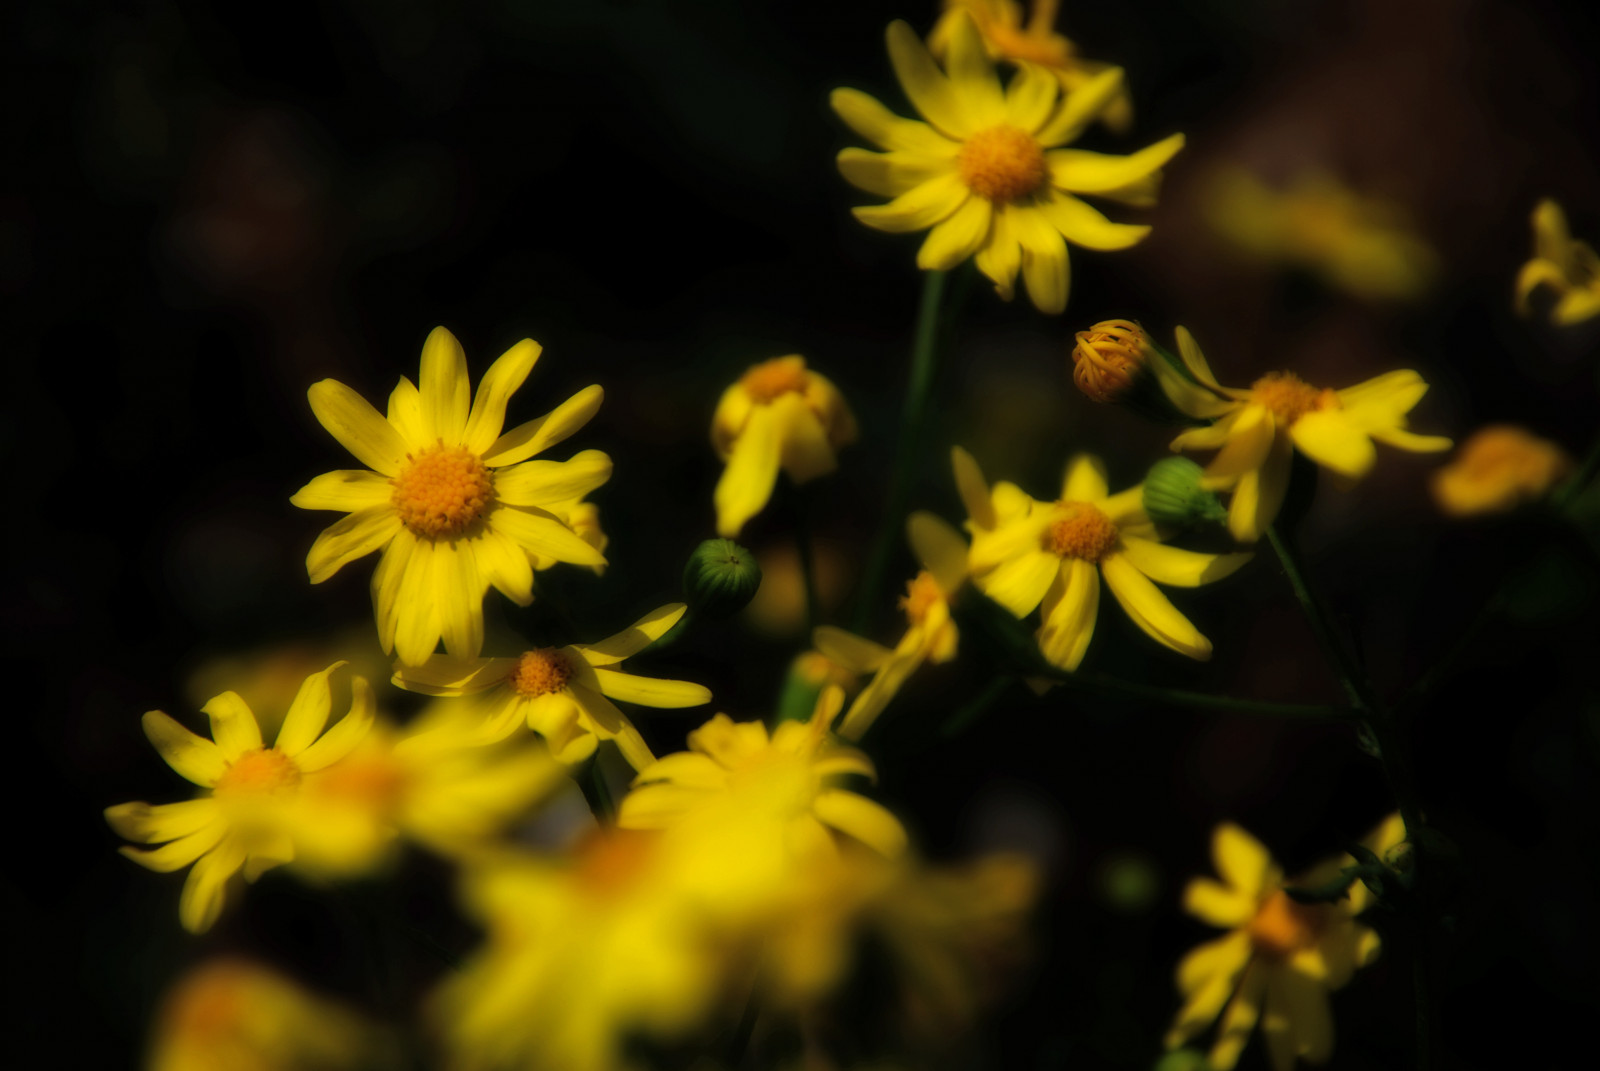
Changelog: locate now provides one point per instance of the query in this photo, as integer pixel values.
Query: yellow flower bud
(1108, 358)
(1497, 469)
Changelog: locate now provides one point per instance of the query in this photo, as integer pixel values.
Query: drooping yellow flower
(1281, 959)
(930, 636)
(1035, 40)
(1565, 266)
(1027, 552)
(248, 817)
(986, 172)
(1256, 431)
(1498, 468)
(561, 692)
(454, 505)
(780, 414)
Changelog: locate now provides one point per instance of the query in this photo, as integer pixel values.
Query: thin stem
(597, 793)
(970, 713)
(1099, 684)
(1350, 677)
(808, 565)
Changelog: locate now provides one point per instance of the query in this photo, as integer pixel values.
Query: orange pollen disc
(1002, 164)
(1283, 927)
(771, 379)
(1082, 532)
(1289, 397)
(610, 862)
(258, 771)
(922, 595)
(1015, 43)
(540, 672)
(441, 491)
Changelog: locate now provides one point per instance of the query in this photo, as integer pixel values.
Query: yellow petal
(446, 392)
(633, 639)
(929, 91)
(405, 414)
(1552, 241)
(505, 565)
(919, 207)
(359, 428)
(1078, 171)
(883, 128)
(458, 595)
(973, 82)
(803, 449)
(1180, 568)
(686, 769)
(1044, 261)
(539, 533)
(849, 650)
(658, 806)
(448, 675)
(1401, 439)
(1000, 258)
(1071, 608)
(1208, 975)
(233, 726)
(1220, 905)
(350, 538)
(1084, 479)
(888, 174)
(1081, 107)
(1030, 97)
(545, 483)
(386, 583)
(1327, 438)
(1081, 224)
(747, 481)
(194, 757)
(343, 738)
(866, 821)
(1239, 1020)
(1260, 492)
(939, 549)
(203, 892)
(499, 383)
(883, 687)
(1151, 610)
(972, 487)
(348, 490)
(957, 237)
(182, 851)
(651, 691)
(1247, 447)
(1241, 860)
(308, 713)
(167, 821)
(417, 627)
(1392, 394)
(541, 433)
(1021, 581)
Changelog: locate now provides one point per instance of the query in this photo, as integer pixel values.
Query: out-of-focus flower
(1359, 244)
(779, 607)
(247, 818)
(1498, 468)
(234, 1014)
(1008, 37)
(1561, 264)
(1257, 430)
(455, 505)
(986, 172)
(1026, 552)
(780, 414)
(1280, 959)
(930, 636)
(1108, 358)
(267, 677)
(561, 692)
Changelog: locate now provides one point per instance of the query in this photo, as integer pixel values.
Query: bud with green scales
(720, 578)
(1174, 496)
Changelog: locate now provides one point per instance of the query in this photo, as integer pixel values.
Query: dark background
(208, 207)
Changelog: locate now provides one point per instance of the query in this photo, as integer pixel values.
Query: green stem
(1098, 684)
(970, 713)
(1350, 677)
(908, 450)
(597, 793)
(808, 565)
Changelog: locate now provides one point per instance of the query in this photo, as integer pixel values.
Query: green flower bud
(720, 578)
(1173, 495)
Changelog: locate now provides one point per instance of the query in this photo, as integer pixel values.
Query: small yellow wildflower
(1561, 264)
(1498, 468)
(930, 636)
(1281, 959)
(455, 505)
(1108, 358)
(1035, 40)
(1257, 430)
(561, 692)
(779, 414)
(1025, 552)
(986, 173)
(247, 819)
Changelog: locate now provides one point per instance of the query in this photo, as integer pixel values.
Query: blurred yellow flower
(1281, 959)
(1026, 552)
(1498, 468)
(1010, 38)
(1359, 244)
(779, 414)
(454, 504)
(1257, 430)
(1563, 265)
(561, 692)
(985, 171)
(247, 818)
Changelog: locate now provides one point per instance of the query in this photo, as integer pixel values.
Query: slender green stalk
(1350, 677)
(597, 793)
(961, 719)
(808, 564)
(1098, 684)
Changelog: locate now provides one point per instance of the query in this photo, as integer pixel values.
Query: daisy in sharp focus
(986, 172)
(454, 505)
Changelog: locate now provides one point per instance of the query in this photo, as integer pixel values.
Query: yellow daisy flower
(1562, 264)
(1257, 430)
(1025, 552)
(561, 692)
(454, 505)
(1281, 959)
(246, 818)
(780, 414)
(986, 172)
(1498, 468)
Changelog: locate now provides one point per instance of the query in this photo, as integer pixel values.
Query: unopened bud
(1108, 358)
(720, 578)
(1173, 494)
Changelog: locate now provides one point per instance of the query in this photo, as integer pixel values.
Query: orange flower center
(1289, 397)
(1046, 49)
(1283, 927)
(922, 594)
(441, 491)
(1081, 532)
(1002, 164)
(540, 672)
(259, 771)
(612, 861)
(770, 379)
(377, 783)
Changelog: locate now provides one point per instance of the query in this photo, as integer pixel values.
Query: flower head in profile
(1026, 553)
(1108, 358)
(563, 693)
(1498, 468)
(247, 817)
(1565, 267)
(455, 506)
(1280, 959)
(1255, 431)
(986, 172)
(779, 414)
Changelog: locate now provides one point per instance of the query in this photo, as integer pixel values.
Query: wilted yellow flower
(455, 505)
(1357, 243)
(561, 692)
(247, 819)
(1026, 552)
(779, 414)
(1035, 41)
(985, 171)
(1281, 959)
(1498, 468)
(930, 635)
(1108, 358)
(1562, 264)
(1257, 430)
